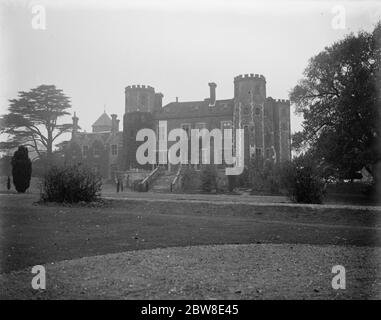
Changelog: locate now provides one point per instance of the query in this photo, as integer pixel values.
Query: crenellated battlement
(283, 101)
(249, 76)
(141, 87)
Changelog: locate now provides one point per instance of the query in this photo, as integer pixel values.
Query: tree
(33, 119)
(339, 98)
(21, 169)
(303, 180)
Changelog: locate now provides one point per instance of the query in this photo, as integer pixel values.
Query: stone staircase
(163, 182)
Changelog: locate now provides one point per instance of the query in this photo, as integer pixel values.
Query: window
(187, 128)
(162, 132)
(144, 99)
(226, 125)
(114, 149)
(257, 111)
(97, 149)
(258, 152)
(267, 153)
(85, 150)
(200, 125)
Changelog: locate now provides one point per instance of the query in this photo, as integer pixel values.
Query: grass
(37, 234)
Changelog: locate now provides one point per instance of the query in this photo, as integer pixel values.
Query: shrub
(208, 178)
(231, 183)
(21, 169)
(71, 184)
(244, 178)
(188, 178)
(303, 182)
(138, 186)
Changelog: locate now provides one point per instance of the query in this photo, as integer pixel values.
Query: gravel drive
(253, 271)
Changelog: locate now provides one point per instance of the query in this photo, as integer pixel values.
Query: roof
(103, 120)
(87, 138)
(196, 109)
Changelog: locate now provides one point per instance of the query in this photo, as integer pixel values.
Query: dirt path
(226, 199)
(255, 271)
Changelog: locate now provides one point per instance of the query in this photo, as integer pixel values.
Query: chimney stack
(75, 125)
(114, 123)
(158, 101)
(212, 87)
(177, 99)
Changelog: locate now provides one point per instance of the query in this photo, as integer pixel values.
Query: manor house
(266, 124)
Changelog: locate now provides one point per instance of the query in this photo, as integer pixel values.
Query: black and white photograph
(210, 152)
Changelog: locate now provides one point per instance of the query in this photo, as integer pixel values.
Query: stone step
(163, 182)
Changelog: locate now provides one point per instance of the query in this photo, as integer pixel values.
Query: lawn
(35, 234)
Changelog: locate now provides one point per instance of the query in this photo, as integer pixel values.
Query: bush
(21, 169)
(188, 178)
(303, 182)
(208, 178)
(244, 179)
(138, 186)
(231, 183)
(71, 184)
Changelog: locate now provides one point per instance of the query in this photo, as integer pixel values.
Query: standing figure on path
(121, 184)
(8, 183)
(117, 183)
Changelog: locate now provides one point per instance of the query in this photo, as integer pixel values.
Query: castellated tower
(249, 112)
(139, 98)
(141, 102)
(266, 122)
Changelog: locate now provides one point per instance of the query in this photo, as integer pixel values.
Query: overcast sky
(93, 49)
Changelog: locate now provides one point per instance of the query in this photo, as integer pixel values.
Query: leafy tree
(5, 165)
(33, 119)
(339, 98)
(21, 169)
(303, 180)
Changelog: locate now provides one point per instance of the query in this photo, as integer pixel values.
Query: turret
(249, 100)
(250, 87)
(139, 98)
